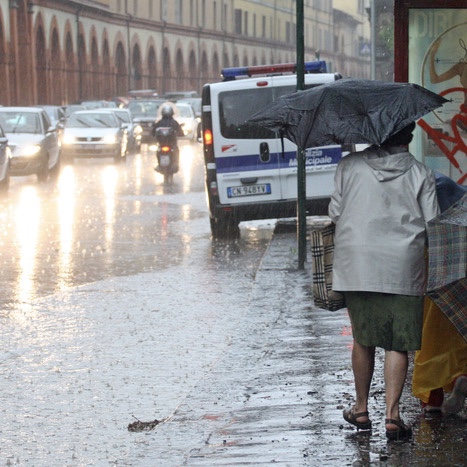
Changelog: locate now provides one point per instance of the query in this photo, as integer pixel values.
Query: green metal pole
(301, 160)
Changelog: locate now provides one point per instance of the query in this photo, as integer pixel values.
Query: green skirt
(389, 321)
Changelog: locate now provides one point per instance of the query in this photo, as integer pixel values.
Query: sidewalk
(277, 395)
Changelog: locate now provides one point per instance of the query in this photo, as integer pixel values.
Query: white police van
(250, 172)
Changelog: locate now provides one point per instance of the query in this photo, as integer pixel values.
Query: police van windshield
(235, 107)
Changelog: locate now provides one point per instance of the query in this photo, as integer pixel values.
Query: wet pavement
(272, 393)
(276, 396)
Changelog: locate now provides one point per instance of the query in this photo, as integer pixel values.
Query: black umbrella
(347, 111)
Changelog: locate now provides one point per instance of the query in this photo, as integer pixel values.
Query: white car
(94, 133)
(33, 141)
(5, 160)
(184, 114)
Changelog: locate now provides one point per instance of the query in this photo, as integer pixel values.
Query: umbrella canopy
(447, 266)
(347, 111)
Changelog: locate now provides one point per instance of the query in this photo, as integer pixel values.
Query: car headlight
(110, 139)
(30, 150)
(68, 139)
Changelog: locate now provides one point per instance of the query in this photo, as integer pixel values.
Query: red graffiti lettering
(450, 144)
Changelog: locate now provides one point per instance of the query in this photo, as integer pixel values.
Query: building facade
(64, 51)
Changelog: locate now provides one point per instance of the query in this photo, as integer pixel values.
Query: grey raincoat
(381, 204)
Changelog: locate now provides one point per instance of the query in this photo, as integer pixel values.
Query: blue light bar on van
(318, 66)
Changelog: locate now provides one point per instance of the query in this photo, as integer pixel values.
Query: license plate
(164, 160)
(249, 190)
(88, 146)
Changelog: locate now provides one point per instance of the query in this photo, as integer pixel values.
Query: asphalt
(277, 395)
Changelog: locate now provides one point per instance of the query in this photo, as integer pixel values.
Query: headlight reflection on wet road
(27, 220)
(66, 215)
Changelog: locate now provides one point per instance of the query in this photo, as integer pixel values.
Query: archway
(120, 64)
(71, 91)
(4, 91)
(215, 67)
(192, 67)
(94, 78)
(152, 69)
(137, 69)
(82, 81)
(180, 75)
(166, 72)
(108, 83)
(204, 71)
(55, 72)
(41, 68)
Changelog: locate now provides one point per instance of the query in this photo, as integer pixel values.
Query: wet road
(114, 303)
(98, 221)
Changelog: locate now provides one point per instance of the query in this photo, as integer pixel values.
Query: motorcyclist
(167, 120)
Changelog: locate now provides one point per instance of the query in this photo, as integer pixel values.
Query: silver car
(33, 141)
(5, 161)
(94, 133)
(135, 132)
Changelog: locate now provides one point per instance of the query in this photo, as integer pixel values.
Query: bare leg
(395, 372)
(363, 364)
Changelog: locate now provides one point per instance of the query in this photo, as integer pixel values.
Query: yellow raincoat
(442, 357)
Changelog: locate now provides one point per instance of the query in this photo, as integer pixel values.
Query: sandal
(401, 432)
(351, 418)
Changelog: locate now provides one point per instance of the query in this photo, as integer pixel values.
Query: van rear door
(247, 155)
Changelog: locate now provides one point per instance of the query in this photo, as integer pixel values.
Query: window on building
(179, 11)
(214, 15)
(224, 18)
(263, 27)
(238, 21)
(164, 10)
(246, 23)
(192, 12)
(203, 13)
(290, 32)
(135, 7)
(254, 24)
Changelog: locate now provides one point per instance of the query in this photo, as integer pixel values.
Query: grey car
(33, 141)
(96, 134)
(144, 113)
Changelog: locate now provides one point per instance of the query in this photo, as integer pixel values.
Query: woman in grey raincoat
(382, 201)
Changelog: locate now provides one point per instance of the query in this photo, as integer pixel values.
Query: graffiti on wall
(438, 61)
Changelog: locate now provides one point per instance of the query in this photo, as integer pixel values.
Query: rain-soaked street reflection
(100, 220)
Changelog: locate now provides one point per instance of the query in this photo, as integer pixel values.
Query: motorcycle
(166, 152)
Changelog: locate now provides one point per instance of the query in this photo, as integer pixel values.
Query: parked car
(94, 133)
(5, 160)
(33, 141)
(134, 129)
(144, 113)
